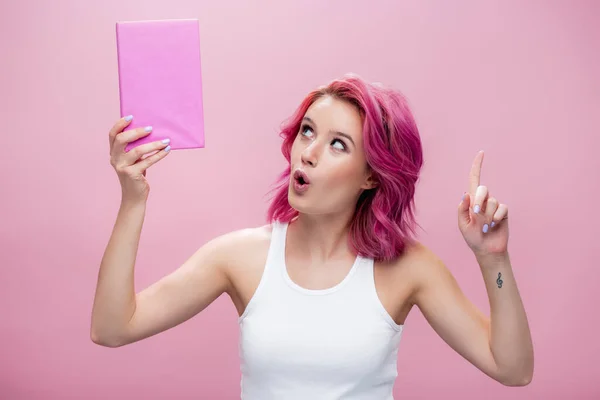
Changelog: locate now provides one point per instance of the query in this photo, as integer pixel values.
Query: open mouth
(301, 178)
(301, 181)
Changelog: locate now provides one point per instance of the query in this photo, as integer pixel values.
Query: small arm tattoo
(499, 281)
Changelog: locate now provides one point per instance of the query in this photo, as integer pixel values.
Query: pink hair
(384, 220)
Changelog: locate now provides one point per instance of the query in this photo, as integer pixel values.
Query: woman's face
(328, 153)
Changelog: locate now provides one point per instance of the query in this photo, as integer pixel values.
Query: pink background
(518, 79)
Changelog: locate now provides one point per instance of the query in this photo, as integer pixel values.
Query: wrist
(493, 259)
(128, 204)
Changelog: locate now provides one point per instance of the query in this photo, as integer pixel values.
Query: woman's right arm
(119, 315)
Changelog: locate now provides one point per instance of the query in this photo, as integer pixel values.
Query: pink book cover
(160, 80)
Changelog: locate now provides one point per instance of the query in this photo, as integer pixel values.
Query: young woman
(323, 290)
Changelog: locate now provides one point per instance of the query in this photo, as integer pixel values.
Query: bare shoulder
(244, 255)
(243, 245)
(421, 260)
(413, 262)
(418, 258)
(423, 268)
(404, 276)
(398, 281)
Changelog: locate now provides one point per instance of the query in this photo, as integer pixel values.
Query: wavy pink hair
(384, 220)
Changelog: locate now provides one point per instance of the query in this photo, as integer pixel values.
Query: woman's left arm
(500, 345)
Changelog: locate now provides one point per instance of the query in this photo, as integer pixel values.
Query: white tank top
(298, 343)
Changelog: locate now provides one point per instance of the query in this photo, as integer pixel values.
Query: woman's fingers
(481, 195)
(123, 138)
(140, 151)
(118, 128)
(142, 165)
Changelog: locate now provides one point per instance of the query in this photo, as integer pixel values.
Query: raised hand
(131, 166)
(482, 220)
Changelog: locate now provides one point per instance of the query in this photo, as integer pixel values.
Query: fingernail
(485, 228)
(128, 118)
(165, 141)
(492, 224)
(476, 209)
(148, 129)
(464, 196)
(167, 148)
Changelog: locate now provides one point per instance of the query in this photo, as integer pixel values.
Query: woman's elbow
(516, 381)
(105, 341)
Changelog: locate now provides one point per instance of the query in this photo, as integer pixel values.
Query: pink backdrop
(517, 79)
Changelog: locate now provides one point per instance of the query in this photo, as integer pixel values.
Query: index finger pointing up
(475, 175)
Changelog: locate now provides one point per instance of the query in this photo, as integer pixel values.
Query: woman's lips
(301, 181)
(300, 187)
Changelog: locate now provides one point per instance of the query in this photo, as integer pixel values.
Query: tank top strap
(366, 284)
(277, 246)
(271, 279)
(276, 256)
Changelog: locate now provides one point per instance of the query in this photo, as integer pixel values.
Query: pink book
(160, 80)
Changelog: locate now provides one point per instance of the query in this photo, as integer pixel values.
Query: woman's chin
(299, 203)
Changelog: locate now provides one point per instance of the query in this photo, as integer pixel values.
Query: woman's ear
(370, 182)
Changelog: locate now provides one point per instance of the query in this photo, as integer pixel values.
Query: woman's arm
(114, 300)
(510, 342)
(500, 346)
(120, 316)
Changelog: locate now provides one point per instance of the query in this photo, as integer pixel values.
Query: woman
(324, 289)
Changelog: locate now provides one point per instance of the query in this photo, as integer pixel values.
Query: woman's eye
(341, 145)
(338, 144)
(306, 129)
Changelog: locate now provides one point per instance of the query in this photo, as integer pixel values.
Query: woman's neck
(323, 238)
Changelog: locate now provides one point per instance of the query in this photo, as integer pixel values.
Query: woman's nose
(309, 156)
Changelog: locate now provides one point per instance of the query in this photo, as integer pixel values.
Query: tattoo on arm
(499, 281)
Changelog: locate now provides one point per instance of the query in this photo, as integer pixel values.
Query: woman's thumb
(463, 208)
